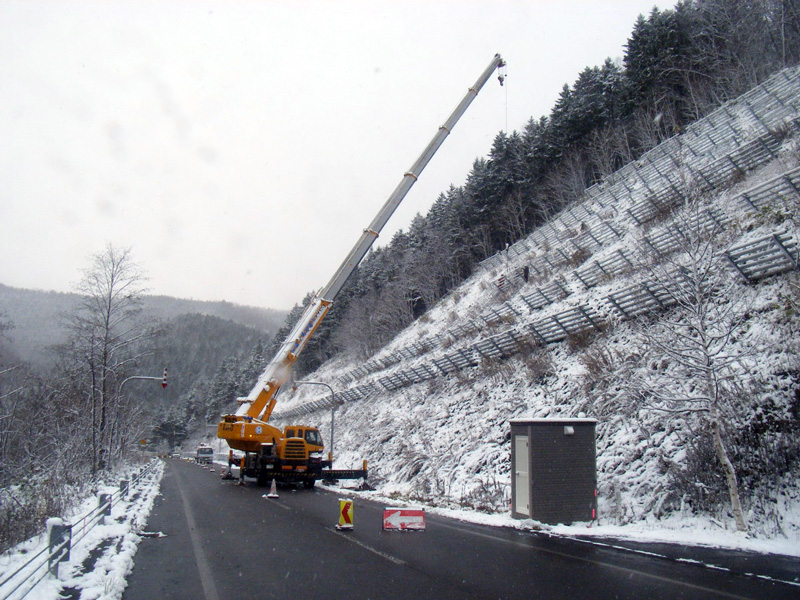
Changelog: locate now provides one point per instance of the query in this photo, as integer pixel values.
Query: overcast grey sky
(240, 147)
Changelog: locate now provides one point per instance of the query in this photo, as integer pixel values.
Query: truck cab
(294, 457)
(204, 455)
(307, 438)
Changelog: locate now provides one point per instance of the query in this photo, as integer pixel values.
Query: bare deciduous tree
(692, 363)
(515, 215)
(10, 396)
(106, 338)
(609, 148)
(569, 180)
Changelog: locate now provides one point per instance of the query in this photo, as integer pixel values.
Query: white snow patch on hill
(446, 441)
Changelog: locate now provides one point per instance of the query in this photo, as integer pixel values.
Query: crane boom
(409, 178)
(256, 408)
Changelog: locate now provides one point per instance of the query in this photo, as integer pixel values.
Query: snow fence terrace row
(641, 191)
(713, 154)
(556, 246)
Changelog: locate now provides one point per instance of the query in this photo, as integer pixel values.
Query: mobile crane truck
(294, 454)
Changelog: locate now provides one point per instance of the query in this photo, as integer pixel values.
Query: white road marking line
(206, 579)
(388, 557)
(601, 563)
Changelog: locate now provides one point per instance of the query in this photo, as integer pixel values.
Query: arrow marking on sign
(397, 519)
(346, 513)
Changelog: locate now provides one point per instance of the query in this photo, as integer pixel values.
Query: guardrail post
(104, 504)
(123, 488)
(60, 539)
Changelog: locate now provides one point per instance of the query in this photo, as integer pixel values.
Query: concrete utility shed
(553, 470)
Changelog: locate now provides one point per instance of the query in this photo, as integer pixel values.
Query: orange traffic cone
(273, 490)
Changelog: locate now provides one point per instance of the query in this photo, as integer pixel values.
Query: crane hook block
(501, 76)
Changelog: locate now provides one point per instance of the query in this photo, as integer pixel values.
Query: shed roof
(554, 421)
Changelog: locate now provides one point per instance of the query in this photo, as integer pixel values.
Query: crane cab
(293, 455)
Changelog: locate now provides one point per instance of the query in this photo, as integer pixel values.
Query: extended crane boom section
(409, 179)
(247, 429)
(257, 404)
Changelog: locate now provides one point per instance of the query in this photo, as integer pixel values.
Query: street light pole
(162, 379)
(333, 407)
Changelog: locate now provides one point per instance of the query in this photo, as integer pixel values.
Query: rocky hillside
(609, 309)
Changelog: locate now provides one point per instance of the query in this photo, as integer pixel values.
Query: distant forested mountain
(36, 324)
(194, 347)
(262, 319)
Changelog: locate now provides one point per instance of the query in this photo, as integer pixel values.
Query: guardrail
(62, 537)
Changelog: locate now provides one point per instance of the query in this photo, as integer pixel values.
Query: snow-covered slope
(430, 412)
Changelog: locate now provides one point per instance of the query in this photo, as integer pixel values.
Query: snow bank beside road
(698, 531)
(101, 556)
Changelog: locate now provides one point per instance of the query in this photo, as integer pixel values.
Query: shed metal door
(522, 488)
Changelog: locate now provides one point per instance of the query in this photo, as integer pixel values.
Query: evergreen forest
(679, 65)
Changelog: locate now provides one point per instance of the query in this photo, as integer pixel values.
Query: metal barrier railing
(62, 537)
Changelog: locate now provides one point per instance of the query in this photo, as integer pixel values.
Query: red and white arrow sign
(403, 518)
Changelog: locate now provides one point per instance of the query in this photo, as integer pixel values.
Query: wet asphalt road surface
(223, 541)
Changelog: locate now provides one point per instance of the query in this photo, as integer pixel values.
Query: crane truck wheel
(309, 483)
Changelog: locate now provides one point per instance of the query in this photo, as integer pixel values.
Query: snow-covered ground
(101, 554)
(445, 441)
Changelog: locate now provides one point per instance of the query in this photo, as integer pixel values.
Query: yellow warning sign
(345, 514)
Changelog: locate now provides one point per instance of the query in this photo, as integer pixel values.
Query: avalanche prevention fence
(581, 248)
(63, 537)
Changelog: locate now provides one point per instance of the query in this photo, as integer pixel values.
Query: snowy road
(226, 541)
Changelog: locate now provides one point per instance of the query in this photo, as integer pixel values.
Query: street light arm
(333, 407)
(296, 383)
(333, 394)
(127, 379)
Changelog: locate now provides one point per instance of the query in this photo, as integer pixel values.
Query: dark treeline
(679, 65)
